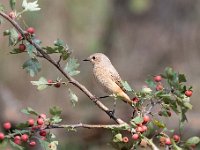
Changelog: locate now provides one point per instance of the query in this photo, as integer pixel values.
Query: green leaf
(176, 147)
(159, 124)
(117, 138)
(23, 125)
(59, 42)
(50, 50)
(187, 105)
(15, 146)
(55, 119)
(193, 141)
(137, 120)
(55, 111)
(13, 37)
(12, 4)
(126, 86)
(150, 83)
(32, 66)
(31, 49)
(71, 67)
(73, 98)
(44, 144)
(29, 111)
(41, 84)
(16, 51)
(31, 6)
(181, 78)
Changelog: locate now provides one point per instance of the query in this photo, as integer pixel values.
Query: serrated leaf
(73, 98)
(29, 111)
(187, 105)
(13, 37)
(193, 141)
(32, 66)
(16, 51)
(59, 42)
(30, 6)
(176, 147)
(31, 49)
(159, 124)
(137, 120)
(15, 146)
(126, 86)
(12, 4)
(50, 50)
(41, 84)
(22, 125)
(117, 138)
(71, 67)
(181, 78)
(55, 119)
(55, 111)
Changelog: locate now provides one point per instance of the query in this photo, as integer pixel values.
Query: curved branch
(71, 79)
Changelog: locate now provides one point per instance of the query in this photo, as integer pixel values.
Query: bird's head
(97, 58)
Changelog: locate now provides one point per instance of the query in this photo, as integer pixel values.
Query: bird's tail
(124, 97)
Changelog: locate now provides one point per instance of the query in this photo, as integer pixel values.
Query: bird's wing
(116, 78)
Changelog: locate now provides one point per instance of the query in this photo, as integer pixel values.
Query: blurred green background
(141, 37)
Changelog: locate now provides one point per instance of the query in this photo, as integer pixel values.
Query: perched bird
(107, 76)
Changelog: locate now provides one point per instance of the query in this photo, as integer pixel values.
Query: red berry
(40, 121)
(2, 136)
(139, 129)
(32, 143)
(125, 139)
(176, 138)
(22, 47)
(188, 93)
(159, 87)
(135, 136)
(169, 113)
(24, 137)
(43, 133)
(17, 140)
(135, 100)
(31, 122)
(168, 141)
(58, 84)
(144, 128)
(12, 15)
(146, 119)
(7, 125)
(31, 30)
(43, 116)
(20, 37)
(50, 81)
(157, 78)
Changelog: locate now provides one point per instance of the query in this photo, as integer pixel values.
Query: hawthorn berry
(176, 138)
(188, 93)
(144, 128)
(125, 139)
(43, 133)
(32, 143)
(135, 100)
(57, 85)
(40, 121)
(2, 136)
(168, 141)
(22, 47)
(31, 122)
(50, 81)
(157, 78)
(135, 136)
(159, 87)
(24, 137)
(139, 129)
(17, 140)
(146, 119)
(19, 37)
(7, 125)
(169, 113)
(12, 15)
(31, 30)
(44, 116)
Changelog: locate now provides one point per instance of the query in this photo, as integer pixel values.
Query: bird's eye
(93, 57)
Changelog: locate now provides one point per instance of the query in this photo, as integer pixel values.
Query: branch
(71, 79)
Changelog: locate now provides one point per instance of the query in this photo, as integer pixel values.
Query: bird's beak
(86, 59)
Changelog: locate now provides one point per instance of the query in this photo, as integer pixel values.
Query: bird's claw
(111, 113)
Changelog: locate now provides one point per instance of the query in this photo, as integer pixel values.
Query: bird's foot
(111, 113)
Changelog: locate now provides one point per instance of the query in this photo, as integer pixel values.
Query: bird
(107, 76)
